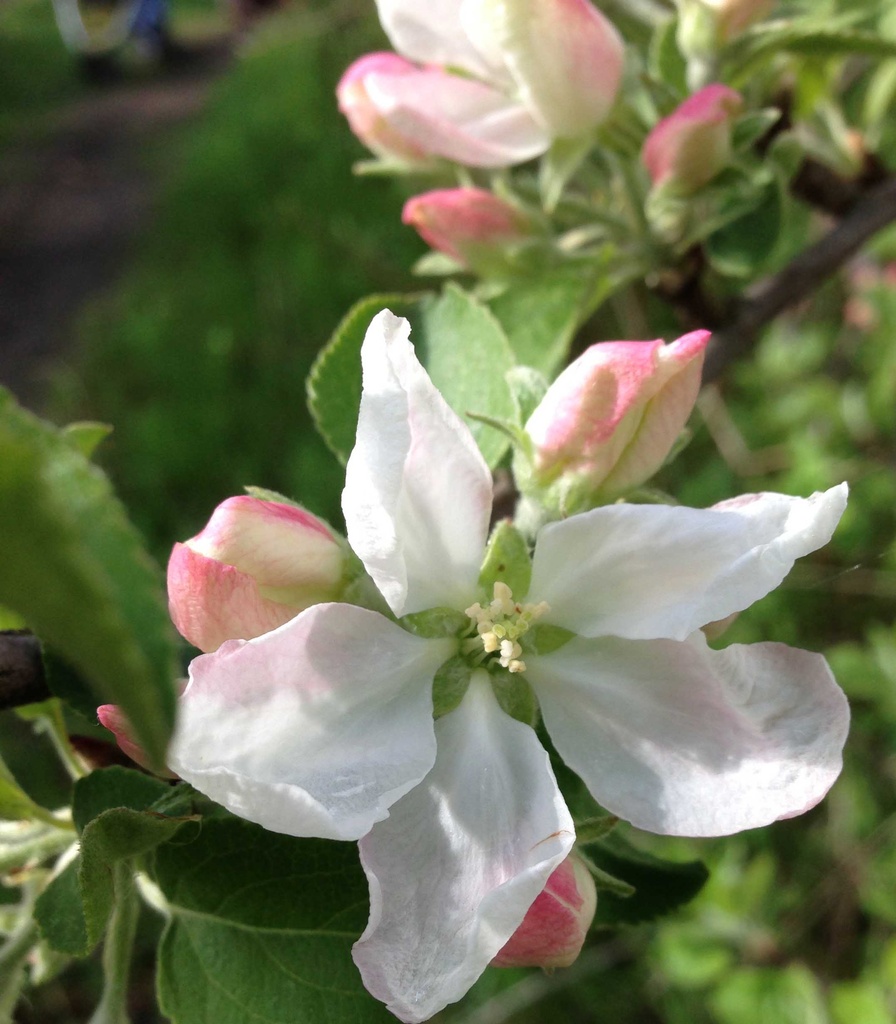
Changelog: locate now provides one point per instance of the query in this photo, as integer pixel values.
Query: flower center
(499, 626)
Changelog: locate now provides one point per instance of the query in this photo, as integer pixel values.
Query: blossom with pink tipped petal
(470, 225)
(609, 420)
(357, 94)
(555, 926)
(256, 565)
(690, 146)
(493, 82)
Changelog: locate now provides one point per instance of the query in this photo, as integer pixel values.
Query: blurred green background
(260, 240)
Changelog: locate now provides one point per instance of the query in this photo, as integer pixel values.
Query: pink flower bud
(358, 91)
(690, 146)
(256, 565)
(469, 224)
(555, 926)
(610, 419)
(113, 718)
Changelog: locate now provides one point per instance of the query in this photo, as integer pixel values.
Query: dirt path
(72, 205)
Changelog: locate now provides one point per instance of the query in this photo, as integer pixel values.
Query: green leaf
(262, 930)
(59, 913)
(334, 383)
(74, 566)
(766, 42)
(660, 885)
(107, 788)
(540, 317)
(459, 342)
(665, 60)
(466, 353)
(742, 247)
(15, 804)
(113, 809)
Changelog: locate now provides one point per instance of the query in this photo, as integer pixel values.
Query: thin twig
(800, 277)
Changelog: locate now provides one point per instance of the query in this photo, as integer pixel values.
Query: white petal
(460, 859)
(457, 118)
(432, 33)
(418, 493)
(683, 740)
(314, 729)
(650, 571)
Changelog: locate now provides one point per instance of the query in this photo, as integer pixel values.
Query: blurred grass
(262, 241)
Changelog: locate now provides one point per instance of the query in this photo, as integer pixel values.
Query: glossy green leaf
(115, 811)
(262, 930)
(466, 353)
(540, 317)
(334, 384)
(660, 885)
(74, 566)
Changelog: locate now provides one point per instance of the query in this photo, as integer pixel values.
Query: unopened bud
(610, 419)
(470, 225)
(689, 147)
(256, 565)
(554, 929)
(114, 719)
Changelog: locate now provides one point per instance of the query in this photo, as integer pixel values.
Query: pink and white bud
(256, 565)
(413, 114)
(610, 419)
(555, 926)
(114, 719)
(690, 146)
(359, 93)
(564, 57)
(470, 225)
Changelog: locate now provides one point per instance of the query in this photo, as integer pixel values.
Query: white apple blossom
(324, 726)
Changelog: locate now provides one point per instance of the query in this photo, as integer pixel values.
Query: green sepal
(605, 882)
(558, 165)
(265, 494)
(507, 561)
(435, 622)
(436, 264)
(515, 696)
(748, 130)
(450, 684)
(86, 436)
(527, 387)
(592, 829)
(543, 638)
(510, 429)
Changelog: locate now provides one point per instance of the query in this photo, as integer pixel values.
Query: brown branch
(800, 277)
(22, 679)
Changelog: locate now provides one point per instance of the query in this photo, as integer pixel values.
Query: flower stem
(12, 956)
(117, 949)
